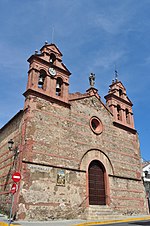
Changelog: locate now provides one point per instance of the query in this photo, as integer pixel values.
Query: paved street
(127, 221)
(136, 223)
(4, 219)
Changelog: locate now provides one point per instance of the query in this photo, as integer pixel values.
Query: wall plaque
(61, 177)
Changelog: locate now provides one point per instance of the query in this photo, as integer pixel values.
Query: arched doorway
(96, 183)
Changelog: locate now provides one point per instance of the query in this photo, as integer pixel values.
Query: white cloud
(109, 59)
(109, 24)
(117, 18)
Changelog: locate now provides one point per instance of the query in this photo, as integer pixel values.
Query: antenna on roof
(53, 34)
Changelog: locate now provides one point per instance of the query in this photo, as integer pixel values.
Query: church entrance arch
(96, 180)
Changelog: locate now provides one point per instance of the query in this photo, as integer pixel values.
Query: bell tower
(47, 74)
(120, 105)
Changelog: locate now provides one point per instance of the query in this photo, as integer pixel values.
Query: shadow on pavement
(141, 223)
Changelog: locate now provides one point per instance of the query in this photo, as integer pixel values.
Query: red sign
(16, 177)
(13, 188)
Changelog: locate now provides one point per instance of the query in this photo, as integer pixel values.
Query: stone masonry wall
(8, 161)
(58, 138)
(43, 197)
(127, 196)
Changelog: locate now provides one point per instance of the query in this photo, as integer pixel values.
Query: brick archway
(96, 183)
(97, 155)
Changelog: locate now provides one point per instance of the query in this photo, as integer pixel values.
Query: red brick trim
(128, 190)
(10, 121)
(122, 177)
(126, 198)
(46, 97)
(10, 164)
(4, 192)
(125, 127)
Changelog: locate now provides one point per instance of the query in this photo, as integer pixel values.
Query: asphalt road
(130, 221)
(135, 223)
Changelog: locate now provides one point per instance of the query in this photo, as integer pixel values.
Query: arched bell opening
(119, 115)
(97, 183)
(59, 83)
(127, 116)
(41, 80)
(52, 58)
(120, 92)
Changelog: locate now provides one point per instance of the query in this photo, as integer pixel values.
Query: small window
(52, 58)
(119, 116)
(120, 92)
(127, 116)
(41, 79)
(96, 125)
(59, 83)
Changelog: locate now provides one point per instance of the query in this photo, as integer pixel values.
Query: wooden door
(96, 184)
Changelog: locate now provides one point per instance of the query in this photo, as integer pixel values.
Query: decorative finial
(92, 79)
(116, 75)
(36, 51)
(46, 42)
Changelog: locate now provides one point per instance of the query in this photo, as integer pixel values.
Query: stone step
(105, 217)
(99, 206)
(101, 212)
(102, 209)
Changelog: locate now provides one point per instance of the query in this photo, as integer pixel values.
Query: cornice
(46, 97)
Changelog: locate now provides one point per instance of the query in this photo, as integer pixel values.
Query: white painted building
(146, 180)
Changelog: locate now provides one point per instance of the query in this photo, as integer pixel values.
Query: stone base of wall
(44, 213)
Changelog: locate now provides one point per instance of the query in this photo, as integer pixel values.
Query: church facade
(75, 154)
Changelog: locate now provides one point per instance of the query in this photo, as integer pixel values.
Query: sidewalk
(75, 222)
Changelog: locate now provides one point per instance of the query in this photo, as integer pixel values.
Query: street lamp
(10, 144)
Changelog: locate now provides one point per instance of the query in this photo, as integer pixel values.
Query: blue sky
(93, 35)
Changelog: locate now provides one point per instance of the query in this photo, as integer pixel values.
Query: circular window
(96, 125)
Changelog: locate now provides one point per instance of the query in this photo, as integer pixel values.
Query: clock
(52, 71)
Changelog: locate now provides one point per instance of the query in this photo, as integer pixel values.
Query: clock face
(52, 71)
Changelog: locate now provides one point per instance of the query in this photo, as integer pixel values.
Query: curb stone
(113, 221)
(6, 224)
